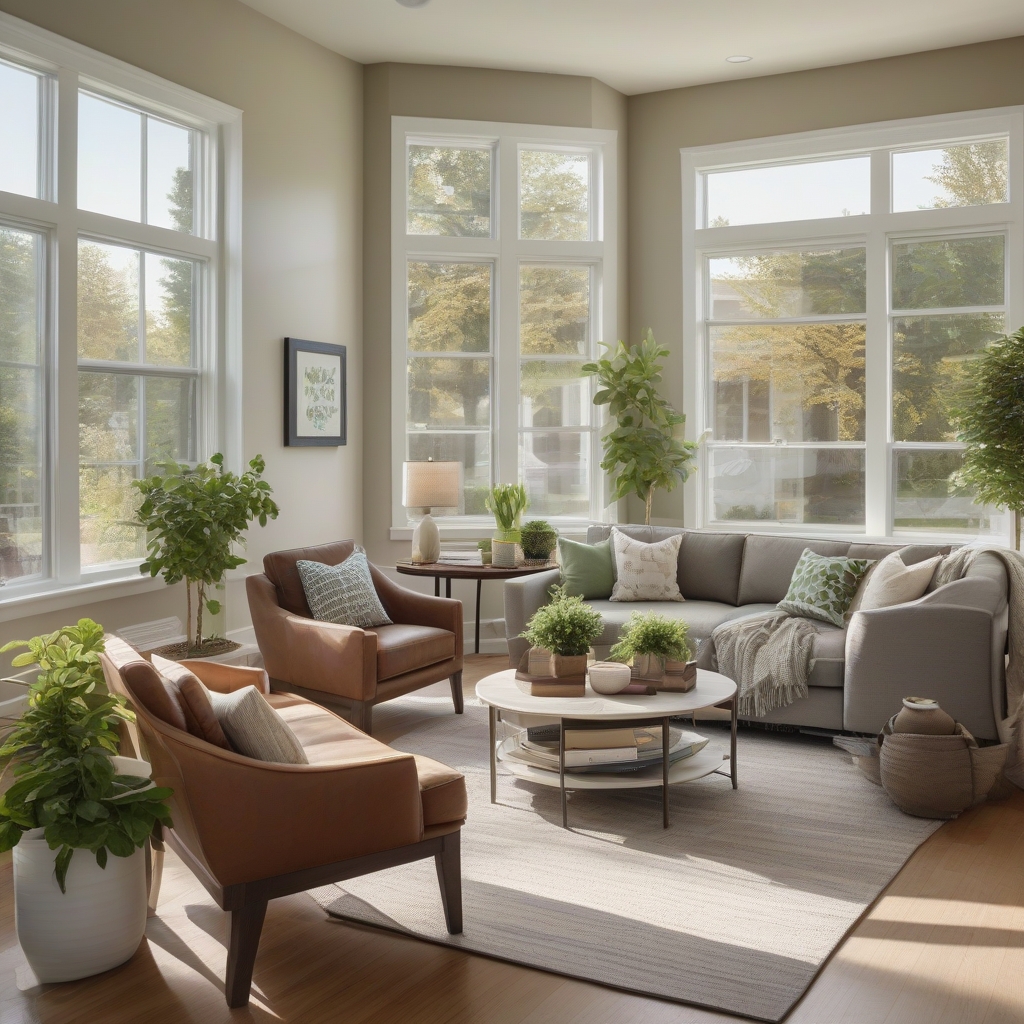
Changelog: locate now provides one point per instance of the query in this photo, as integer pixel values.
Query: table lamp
(430, 485)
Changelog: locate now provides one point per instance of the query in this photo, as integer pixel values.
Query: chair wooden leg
(456, 680)
(361, 715)
(449, 879)
(246, 925)
(154, 872)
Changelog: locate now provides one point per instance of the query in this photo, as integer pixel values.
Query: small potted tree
(194, 517)
(538, 541)
(653, 645)
(76, 815)
(506, 502)
(561, 634)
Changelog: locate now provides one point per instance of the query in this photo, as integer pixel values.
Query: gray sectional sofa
(948, 645)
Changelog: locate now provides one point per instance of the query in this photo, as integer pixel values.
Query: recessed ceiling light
(413, 3)
(738, 59)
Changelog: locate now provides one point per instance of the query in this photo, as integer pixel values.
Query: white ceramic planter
(503, 554)
(97, 924)
(609, 677)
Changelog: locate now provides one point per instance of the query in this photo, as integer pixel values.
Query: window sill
(15, 605)
(575, 530)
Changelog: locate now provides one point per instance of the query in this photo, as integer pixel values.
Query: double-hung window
(503, 279)
(115, 300)
(837, 286)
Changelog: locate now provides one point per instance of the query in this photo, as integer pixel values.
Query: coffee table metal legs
(664, 772)
(479, 584)
(492, 716)
(732, 742)
(561, 770)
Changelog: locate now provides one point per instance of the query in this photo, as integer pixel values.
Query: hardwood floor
(944, 945)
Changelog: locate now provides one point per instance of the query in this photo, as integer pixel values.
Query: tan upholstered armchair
(252, 830)
(345, 665)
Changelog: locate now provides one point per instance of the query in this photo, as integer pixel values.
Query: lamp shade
(432, 484)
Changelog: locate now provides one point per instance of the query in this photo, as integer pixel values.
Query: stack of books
(464, 556)
(604, 750)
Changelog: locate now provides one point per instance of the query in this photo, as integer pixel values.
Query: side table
(448, 572)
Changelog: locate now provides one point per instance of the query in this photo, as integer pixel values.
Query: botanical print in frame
(315, 412)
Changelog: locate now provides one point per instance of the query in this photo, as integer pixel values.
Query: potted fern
(506, 502)
(653, 645)
(76, 815)
(563, 632)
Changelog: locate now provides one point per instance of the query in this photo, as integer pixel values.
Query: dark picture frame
(315, 394)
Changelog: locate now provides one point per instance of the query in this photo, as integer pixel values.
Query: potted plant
(70, 794)
(507, 503)
(565, 629)
(193, 518)
(991, 425)
(653, 644)
(484, 547)
(538, 541)
(643, 446)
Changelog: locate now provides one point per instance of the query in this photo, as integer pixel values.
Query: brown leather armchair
(345, 665)
(252, 830)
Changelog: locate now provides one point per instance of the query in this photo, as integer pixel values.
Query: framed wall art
(314, 393)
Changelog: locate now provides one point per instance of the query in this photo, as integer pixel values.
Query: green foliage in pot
(991, 424)
(567, 626)
(643, 448)
(60, 750)
(507, 502)
(193, 518)
(538, 538)
(651, 633)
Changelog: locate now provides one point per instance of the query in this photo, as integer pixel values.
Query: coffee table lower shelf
(705, 762)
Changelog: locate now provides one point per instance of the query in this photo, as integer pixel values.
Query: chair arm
(316, 655)
(924, 648)
(415, 609)
(523, 596)
(255, 820)
(226, 678)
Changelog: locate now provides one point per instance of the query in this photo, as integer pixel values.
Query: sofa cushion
(646, 572)
(823, 586)
(442, 791)
(403, 648)
(709, 565)
(255, 728)
(149, 689)
(194, 700)
(768, 564)
(586, 568)
(910, 553)
(700, 616)
(281, 570)
(828, 654)
(342, 593)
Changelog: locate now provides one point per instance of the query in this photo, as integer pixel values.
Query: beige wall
(414, 90)
(302, 189)
(920, 84)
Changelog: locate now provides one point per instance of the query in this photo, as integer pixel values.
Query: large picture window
(838, 286)
(113, 177)
(503, 280)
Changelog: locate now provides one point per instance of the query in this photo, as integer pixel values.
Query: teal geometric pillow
(343, 593)
(823, 586)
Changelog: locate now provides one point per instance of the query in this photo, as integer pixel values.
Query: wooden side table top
(471, 571)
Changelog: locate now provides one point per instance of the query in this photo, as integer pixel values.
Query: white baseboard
(245, 635)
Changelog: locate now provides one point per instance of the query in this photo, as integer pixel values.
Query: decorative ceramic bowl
(609, 677)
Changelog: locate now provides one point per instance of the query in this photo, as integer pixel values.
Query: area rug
(735, 907)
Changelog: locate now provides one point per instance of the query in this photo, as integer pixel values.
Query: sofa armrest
(227, 678)
(523, 596)
(926, 648)
(297, 651)
(414, 609)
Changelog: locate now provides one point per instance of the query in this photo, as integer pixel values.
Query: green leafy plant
(194, 517)
(506, 503)
(991, 425)
(538, 538)
(484, 545)
(643, 447)
(60, 750)
(651, 633)
(567, 626)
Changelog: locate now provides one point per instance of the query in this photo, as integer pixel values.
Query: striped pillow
(343, 593)
(255, 728)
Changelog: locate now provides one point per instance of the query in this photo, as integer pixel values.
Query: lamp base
(426, 541)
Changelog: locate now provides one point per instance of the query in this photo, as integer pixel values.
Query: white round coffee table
(503, 697)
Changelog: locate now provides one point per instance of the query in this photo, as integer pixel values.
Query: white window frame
(876, 231)
(217, 243)
(506, 252)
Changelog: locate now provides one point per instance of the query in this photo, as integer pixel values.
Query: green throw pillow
(823, 586)
(586, 568)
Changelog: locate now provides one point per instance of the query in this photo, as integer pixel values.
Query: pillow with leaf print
(823, 586)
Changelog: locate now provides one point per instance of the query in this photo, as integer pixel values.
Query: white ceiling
(644, 45)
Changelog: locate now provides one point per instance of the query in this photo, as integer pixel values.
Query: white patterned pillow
(343, 593)
(255, 728)
(646, 572)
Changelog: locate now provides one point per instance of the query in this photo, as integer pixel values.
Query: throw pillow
(586, 568)
(343, 593)
(255, 728)
(823, 586)
(646, 572)
(183, 686)
(891, 582)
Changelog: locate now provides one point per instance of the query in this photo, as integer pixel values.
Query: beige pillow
(891, 582)
(646, 572)
(255, 728)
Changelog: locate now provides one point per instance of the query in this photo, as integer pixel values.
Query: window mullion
(505, 414)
